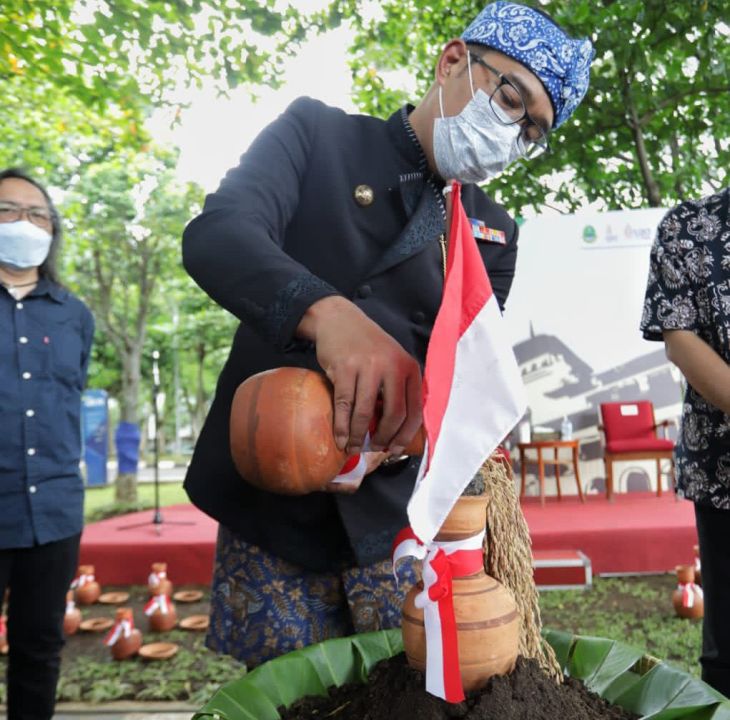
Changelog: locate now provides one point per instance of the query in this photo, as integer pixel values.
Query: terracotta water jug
(72, 616)
(158, 582)
(160, 611)
(487, 620)
(698, 566)
(123, 639)
(86, 589)
(281, 431)
(688, 599)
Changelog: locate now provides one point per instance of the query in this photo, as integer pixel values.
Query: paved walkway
(123, 711)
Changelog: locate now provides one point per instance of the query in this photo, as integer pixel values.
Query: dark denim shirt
(45, 342)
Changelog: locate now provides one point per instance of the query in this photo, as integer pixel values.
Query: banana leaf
(621, 674)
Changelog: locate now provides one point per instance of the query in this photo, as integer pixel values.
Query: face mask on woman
(23, 245)
(473, 146)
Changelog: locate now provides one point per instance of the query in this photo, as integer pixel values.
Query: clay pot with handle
(158, 582)
(687, 598)
(160, 611)
(487, 619)
(281, 432)
(86, 589)
(124, 639)
(72, 616)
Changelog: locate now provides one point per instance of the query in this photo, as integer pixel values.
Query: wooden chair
(631, 433)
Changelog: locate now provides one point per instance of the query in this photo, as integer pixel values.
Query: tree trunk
(653, 194)
(125, 489)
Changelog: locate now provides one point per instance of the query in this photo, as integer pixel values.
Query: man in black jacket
(328, 242)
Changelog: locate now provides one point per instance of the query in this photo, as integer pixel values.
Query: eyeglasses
(509, 108)
(11, 212)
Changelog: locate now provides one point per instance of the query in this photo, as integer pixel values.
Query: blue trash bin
(126, 438)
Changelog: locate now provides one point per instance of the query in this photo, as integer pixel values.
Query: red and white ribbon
(155, 578)
(81, 580)
(157, 602)
(355, 467)
(442, 561)
(121, 628)
(688, 591)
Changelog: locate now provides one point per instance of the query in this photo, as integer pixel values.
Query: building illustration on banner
(575, 323)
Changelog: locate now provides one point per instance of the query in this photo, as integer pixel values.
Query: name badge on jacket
(486, 234)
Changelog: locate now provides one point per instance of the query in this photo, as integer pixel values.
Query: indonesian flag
(473, 394)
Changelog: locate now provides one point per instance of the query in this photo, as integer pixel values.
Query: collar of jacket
(46, 287)
(405, 140)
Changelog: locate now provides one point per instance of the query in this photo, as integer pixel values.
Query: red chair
(630, 433)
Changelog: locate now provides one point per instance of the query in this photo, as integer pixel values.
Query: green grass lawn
(99, 502)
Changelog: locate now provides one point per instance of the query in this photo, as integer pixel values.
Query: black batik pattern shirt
(689, 289)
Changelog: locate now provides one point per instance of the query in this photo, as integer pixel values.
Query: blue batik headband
(559, 61)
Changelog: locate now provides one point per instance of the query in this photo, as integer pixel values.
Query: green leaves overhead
(654, 127)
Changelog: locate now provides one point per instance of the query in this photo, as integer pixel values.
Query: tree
(128, 53)
(653, 129)
(126, 216)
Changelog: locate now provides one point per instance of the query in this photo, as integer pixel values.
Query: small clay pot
(72, 617)
(87, 593)
(126, 646)
(163, 621)
(687, 598)
(158, 582)
(698, 566)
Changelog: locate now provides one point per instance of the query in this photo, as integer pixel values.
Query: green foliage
(183, 677)
(130, 52)
(653, 128)
(610, 668)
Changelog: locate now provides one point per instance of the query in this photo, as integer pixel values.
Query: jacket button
(418, 317)
(364, 195)
(364, 291)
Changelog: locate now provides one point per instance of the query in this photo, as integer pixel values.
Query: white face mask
(473, 146)
(23, 245)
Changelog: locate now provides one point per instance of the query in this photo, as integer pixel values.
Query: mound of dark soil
(396, 692)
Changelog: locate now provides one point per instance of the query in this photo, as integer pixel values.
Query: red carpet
(124, 557)
(638, 532)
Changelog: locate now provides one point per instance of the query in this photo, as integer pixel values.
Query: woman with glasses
(328, 241)
(45, 342)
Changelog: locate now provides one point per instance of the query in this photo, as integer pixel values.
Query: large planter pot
(617, 672)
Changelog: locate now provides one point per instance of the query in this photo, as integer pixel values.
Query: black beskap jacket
(285, 230)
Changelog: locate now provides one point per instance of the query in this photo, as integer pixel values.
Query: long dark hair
(48, 268)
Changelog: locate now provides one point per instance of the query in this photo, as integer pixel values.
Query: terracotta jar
(86, 589)
(158, 582)
(698, 565)
(487, 620)
(688, 598)
(281, 432)
(124, 639)
(72, 617)
(160, 611)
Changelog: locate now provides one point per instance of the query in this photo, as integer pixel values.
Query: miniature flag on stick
(473, 397)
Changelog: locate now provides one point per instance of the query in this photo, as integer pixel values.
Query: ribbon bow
(81, 580)
(157, 602)
(122, 627)
(442, 561)
(155, 578)
(689, 591)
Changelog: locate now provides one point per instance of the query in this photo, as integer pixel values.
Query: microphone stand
(157, 519)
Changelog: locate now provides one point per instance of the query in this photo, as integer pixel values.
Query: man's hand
(363, 363)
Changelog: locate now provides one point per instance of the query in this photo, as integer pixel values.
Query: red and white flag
(472, 398)
(473, 394)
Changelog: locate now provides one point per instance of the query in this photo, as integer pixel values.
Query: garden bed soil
(396, 692)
